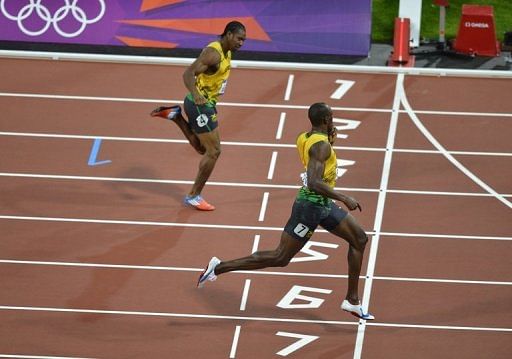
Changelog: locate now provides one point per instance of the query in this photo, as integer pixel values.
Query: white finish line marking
(379, 214)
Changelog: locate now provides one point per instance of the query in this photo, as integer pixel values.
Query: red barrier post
(401, 44)
(401, 40)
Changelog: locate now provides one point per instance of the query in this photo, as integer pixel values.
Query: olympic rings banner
(339, 27)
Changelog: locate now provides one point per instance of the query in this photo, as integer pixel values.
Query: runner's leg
(280, 257)
(189, 134)
(211, 142)
(350, 230)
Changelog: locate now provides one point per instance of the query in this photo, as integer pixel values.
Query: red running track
(101, 261)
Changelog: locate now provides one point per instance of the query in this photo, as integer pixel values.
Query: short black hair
(233, 27)
(317, 112)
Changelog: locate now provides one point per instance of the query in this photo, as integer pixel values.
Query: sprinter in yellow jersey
(313, 206)
(206, 79)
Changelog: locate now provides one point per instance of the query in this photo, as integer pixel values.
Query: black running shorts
(202, 118)
(306, 216)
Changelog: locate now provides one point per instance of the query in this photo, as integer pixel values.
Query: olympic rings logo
(70, 7)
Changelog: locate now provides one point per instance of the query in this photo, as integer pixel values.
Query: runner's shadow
(143, 249)
(129, 190)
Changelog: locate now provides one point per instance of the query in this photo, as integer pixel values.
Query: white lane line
(272, 166)
(140, 223)
(165, 140)
(263, 209)
(243, 144)
(101, 265)
(463, 153)
(289, 87)
(445, 236)
(238, 184)
(458, 113)
(242, 104)
(437, 280)
(143, 100)
(372, 256)
(247, 318)
(235, 227)
(245, 294)
(85, 98)
(439, 193)
(256, 243)
(234, 345)
(22, 356)
(239, 104)
(441, 327)
(445, 153)
(245, 272)
(280, 127)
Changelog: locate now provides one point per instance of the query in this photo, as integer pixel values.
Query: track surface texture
(99, 257)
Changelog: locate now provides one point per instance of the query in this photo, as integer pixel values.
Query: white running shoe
(209, 272)
(356, 310)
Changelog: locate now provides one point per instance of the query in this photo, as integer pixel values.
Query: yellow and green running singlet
(214, 85)
(304, 142)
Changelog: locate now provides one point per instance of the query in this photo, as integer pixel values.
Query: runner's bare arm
(318, 154)
(209, 57)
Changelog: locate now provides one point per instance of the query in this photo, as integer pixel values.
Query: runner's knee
(361, 240)
(213, 152)
(281, 259)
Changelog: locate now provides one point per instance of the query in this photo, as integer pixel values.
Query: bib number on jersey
(304, 178)
(202, 120)
(223, 87)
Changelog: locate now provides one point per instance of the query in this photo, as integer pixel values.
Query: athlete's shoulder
(210, 55)
(301, 137)
(215, 45)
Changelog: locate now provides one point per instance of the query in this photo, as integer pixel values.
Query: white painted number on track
(294, 293)
(342, 163)
(346, 126)
(313, 255)
(345, 85)
(303, 341)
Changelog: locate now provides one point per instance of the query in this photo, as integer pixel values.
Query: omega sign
(481, 25)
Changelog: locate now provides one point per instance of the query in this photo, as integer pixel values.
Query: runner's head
(320, 114)
(234, 35)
